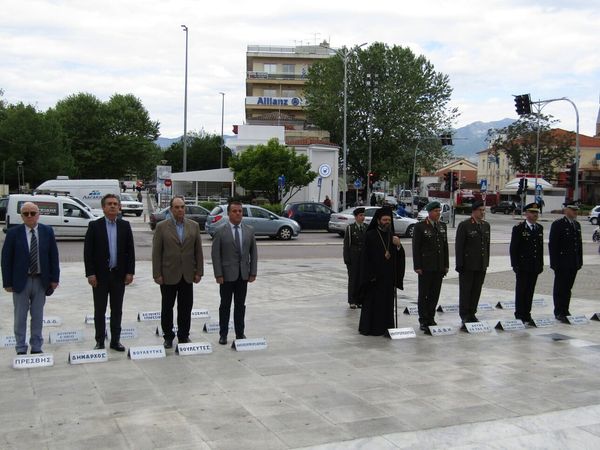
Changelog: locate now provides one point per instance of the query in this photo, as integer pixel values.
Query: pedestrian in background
(472, 260)
(566, 258)
(431, 262)
(30, 271)
(177, 262)
(527, 260)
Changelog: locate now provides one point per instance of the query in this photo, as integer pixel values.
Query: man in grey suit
(234, 261)
(177, 261)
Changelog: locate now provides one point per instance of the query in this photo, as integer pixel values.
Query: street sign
(483, 185)
(539, 188)
(281, 181)
(319, 181)
(168, 182)
(357, 184)
(324, 170)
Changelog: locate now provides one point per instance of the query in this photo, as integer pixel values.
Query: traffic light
(446, 139)
(372, 178)
(447, 184)
(523, 104)
(572, 175)
(454, 181)
(522, 186)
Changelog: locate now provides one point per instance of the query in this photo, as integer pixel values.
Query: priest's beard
(384, 227)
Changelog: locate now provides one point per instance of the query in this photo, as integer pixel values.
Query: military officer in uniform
(527, 260)
(431, 262)
(566, 258)
(472, 260)
(354, 240)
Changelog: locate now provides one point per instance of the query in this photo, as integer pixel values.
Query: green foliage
(519, 142)
(259, 167)
(275, 208)
(405, 99)
(208, 205)
(203, 153)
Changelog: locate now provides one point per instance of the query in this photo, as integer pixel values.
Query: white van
(62, 213)
(89, 191)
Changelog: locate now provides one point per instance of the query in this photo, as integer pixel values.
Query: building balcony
(275, 76)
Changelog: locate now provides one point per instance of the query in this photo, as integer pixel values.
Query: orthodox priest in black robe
(382, 272)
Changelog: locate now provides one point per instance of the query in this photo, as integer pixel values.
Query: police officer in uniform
(527, 260)
(566, 258)
(431, 262)
(354, 240)
(472, 260)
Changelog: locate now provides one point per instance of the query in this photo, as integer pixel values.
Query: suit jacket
(527, 248)
(565, 247)
(15, 257)
(430, 247)
(472, 245)
(96, 254)
(226, 260)
(172, 259)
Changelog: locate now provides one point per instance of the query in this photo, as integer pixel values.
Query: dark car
(505, 208)
(3, 203)
(310, 215)
(196, 213)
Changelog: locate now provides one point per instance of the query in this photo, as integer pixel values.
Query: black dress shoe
(222, 340)
(423, 327)
(36, 352)
(21, 353)
(433, 323)
(562, 319)
(474, 319)
(117, 346)
(168, 343)
(99, 346)
(243, 336)
(184, 340)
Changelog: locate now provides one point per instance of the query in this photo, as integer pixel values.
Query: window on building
(288, 92)
(270, 68)
(289, 68)
(269, 92)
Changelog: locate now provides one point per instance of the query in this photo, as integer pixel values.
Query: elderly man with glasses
(30, 271)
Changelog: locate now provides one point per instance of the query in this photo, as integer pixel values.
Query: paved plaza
(319, 384)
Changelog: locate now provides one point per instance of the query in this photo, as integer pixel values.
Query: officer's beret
(477, 204)
(533, 207)
(433, 205)
(359, 210)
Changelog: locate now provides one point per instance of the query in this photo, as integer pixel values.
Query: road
(320, 244)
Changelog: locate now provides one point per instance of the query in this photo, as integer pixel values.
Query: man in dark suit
(472, 260)
(109, 256)
(30, 271)
(354, 241)
(177, 262)
(566, 258)
(431, 262)
(235, 262)
(527, 260)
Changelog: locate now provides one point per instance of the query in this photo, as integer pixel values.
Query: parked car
(196, 213)
(264, 222)
(130, 205)
(505, 208)
(403, 226)
(3, 203)
(444, 217)
(593, 216)
(310, 215)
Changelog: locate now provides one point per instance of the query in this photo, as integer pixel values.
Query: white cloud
(490, 50)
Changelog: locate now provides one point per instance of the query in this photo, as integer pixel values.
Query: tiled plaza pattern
(319, 383)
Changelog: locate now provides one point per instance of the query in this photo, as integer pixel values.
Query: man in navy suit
(109, 257)
(29, 270)
(234, 260)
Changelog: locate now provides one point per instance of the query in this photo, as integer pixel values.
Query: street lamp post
(185, 28)
(345, 55)
(20, 176)
(222, 121)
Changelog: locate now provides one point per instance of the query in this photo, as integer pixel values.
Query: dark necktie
(33, 254)
(238, 244)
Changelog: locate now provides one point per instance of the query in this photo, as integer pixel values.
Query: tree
(36, 139)
(405, 101)
(203, 153)
(519, 142)
(259, 167)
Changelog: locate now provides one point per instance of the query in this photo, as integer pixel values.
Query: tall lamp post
(222, 121)
(345, 54)
(20, 176)
(185, 28)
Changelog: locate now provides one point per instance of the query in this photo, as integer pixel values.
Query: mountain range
(467, 140)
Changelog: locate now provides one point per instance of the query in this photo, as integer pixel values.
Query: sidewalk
(319, 382)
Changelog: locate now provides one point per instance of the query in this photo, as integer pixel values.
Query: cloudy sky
(490, 49)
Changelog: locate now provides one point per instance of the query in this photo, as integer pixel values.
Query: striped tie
(33, 254)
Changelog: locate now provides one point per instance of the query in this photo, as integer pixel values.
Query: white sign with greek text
(148, 315)
(30, 361)
(200, 314)
(8, 341)
(88, 356)
(52, 321)
(478, 327)
(411, 310)
(62, 337)
(193, 348)
(402, 333)
(246, 345)
(147, 352)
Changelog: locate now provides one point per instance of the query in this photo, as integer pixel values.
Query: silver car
(338, 222)
(264, 222)
(444, 217)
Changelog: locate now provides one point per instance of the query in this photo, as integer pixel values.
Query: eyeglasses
(29, 213)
